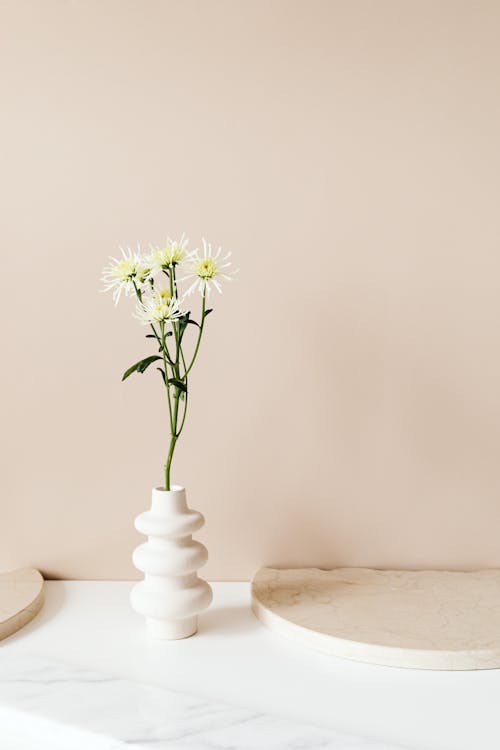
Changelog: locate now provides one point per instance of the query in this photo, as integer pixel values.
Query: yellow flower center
(170, 255)
(125, 270)
(206, 268)
(160, 312)
(165, 295)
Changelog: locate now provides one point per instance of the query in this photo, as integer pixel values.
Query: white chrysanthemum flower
(162, 258)
(158, 307)
(207, 269)
(121, 274)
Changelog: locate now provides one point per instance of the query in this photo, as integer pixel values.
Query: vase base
(172, 630)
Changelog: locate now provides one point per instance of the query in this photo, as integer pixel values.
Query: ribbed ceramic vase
(171, 596)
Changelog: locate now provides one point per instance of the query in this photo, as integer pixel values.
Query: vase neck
(171, 500)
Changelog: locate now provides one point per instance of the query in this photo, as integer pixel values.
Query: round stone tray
(21, 598)
(418, 619)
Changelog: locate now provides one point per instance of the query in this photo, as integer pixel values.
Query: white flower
(121, 274)
(158, 307)
(171, 255)
(207, 269)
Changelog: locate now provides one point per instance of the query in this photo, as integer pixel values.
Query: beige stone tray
(21, 598)
(417, 619)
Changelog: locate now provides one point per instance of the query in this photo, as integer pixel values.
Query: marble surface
(46, 704)
(234, 660)
(417, 619)
(21, 598)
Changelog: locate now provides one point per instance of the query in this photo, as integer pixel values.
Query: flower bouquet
(163, 281)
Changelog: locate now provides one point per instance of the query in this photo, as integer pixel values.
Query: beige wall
(345, 409)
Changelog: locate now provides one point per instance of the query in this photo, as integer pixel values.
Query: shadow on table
(228, 620)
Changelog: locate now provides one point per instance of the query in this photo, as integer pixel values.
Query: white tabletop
(235, 660)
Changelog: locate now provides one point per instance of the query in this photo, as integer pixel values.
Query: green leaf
(160, 369)
(207, 312)
(194, 323)
(178, 384)
(183, 323)
(140, 366)
(152, 336)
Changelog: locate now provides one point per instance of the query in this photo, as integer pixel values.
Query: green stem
(137, 291)
(176, 372)
(184, 414)
(173, 441)
(160, 342)
(165, 366)
(167, 360)
(176, 411)
(200, 332)
(185, 398)
(173, 436)
(139, 297)
(175, 326)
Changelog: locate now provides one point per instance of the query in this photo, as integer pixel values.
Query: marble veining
(44, 704)
(420, 619)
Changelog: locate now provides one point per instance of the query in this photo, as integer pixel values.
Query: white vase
(171, 595)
